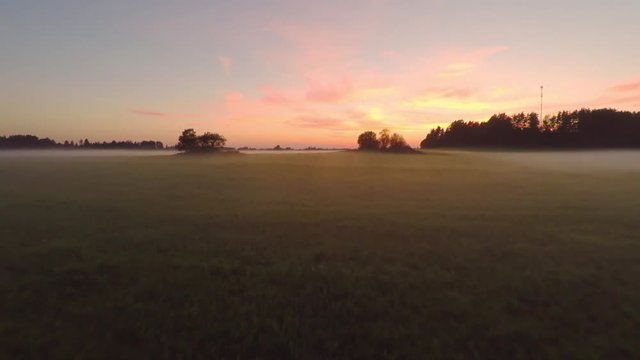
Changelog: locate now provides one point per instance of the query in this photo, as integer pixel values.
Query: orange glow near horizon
(309, 78)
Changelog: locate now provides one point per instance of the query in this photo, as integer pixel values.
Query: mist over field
(63, 153)
(441, 254)
(574, 160)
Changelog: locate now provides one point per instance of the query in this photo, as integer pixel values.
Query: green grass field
(340, 255)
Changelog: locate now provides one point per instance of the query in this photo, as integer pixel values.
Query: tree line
(586, 128)
(34, 142)
(383, 141)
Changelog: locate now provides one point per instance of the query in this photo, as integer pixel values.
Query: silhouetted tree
(397, 143)
(368, 140)
(433, 138)
(385, 139)
(150, 145)
(189, 141)
(583, 128)
(533, 122)
(519, 121)
(211, 141)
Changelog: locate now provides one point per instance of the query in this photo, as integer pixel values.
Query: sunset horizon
(305, 74)
(339, 179)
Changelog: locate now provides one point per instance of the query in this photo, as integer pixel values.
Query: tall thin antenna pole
(541, 89)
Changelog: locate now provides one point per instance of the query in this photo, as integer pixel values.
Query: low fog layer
(588, 160)
(82, 153)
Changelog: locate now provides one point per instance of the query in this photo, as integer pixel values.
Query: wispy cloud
(319, 122)
(225, 62)
(274, 97)
(624, 94)
(329, 91)
(148, 113)
(626, 101)
(454, 99)
(158, 114)
(486, 52)
(463, 63)
(344, 121)
(456, 69)
(627, 87)
(234, 97)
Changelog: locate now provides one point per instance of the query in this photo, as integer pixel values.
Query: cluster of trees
(26, 142)
(383, 141)
(581, 128)
(33, 142)
(132, 145)
(190, 141)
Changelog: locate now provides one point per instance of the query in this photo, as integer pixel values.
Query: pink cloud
(225, 62)
(318, 122)
(322, 89)
(628, 100)
(148, 113)
(486, 52)
(627, 87)
(158, 114)
(345, 120)
(329, 92)
(452, 93)
(234, 98)
(632, 101)
(457, 69)
(625, 95)
(460, 64)
(274, 97)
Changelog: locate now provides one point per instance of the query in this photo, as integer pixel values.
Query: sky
(305, 73)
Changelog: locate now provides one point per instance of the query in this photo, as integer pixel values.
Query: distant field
(448, 254)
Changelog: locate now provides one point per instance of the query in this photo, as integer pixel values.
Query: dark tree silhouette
(189, 141)
(385, 139)
(601, 128)
(26, 142)
(368, 140)
(33, 142)
(398, 144)
(433, 138)
(534, 122)
(211, 141)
